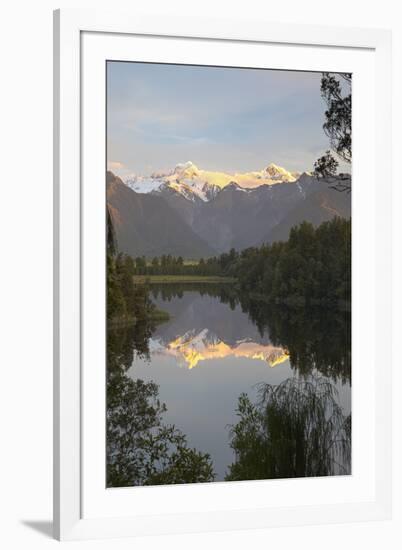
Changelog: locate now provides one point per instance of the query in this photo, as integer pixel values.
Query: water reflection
(315, 338)
(193, 348)
(179, 383)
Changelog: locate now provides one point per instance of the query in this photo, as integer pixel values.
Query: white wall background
(26, 271)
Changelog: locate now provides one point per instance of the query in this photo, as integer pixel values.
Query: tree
(116, 304)
(297, 429)
(338, 123)
(141, 449)
(326, 166)
(337, 94)
(141, 265)
(155, 265)
(111, 235)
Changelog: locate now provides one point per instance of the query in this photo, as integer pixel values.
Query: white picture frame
(83, 507)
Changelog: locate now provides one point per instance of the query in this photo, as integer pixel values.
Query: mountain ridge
(197, 184)
(146, 225)
(169, 221)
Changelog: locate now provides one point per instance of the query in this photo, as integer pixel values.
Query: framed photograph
(222, 275)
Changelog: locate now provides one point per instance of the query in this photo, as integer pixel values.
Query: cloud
(120, 169)
(115, 165)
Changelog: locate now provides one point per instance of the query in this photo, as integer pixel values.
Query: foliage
(296, 429)
(141, 449)
(127, 301)
(116, 303)
(337, 94)
(311, 268)
(338, 116)
(111, 242)
(326, 166)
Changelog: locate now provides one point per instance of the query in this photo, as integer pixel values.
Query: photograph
(197, 300)
(228, 274)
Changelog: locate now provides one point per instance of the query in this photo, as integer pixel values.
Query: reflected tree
(316, 338)
(226, 293)
(295, 429)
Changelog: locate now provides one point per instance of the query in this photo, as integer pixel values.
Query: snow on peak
(278, 173)
(187, 169)
(275, 169)
(234, 185)
(196, 184)
(141, 184)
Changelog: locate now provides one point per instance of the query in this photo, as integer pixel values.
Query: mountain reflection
(194, 348)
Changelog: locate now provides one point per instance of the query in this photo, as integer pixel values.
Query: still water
(218, 345)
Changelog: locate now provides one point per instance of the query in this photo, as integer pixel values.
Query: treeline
(312, 267)
(172, 265)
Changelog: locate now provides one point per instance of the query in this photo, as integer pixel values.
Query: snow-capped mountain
(195, 213)
(196, 184)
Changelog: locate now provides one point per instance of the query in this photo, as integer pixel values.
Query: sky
(222, 119)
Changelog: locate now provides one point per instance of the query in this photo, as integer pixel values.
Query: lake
(218, 345)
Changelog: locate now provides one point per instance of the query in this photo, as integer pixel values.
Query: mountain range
(191, 182)
(197, 213)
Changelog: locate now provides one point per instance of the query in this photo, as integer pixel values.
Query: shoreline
(300, 302)
(169, 279)
(158, 316)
